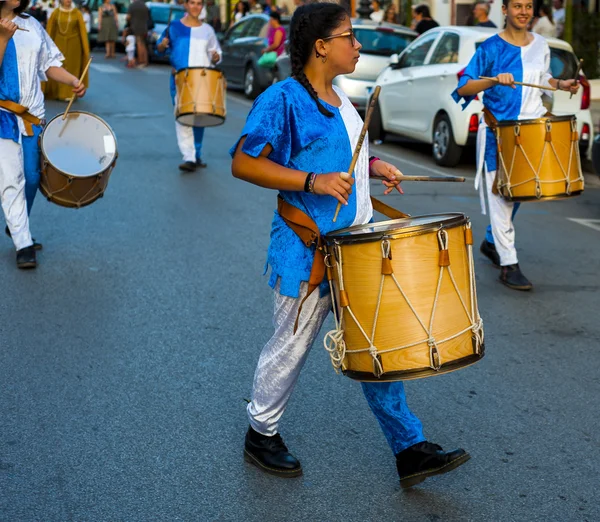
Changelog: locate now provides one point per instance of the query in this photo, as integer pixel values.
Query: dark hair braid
(309, 23)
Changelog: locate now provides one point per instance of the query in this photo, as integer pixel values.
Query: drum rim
(537, 121)
(43, 152)
(216, 69)
(340, 237)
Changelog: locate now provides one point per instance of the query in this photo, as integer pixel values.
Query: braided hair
(309, 23)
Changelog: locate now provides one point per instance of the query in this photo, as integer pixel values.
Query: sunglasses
(349, 34)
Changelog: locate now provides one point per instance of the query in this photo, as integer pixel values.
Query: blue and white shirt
(190, 47)
(29, 54)
(286, 117)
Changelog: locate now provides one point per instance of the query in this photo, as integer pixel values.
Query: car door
(397, 84)
(231, 45)
(250, 45)
(430, 84)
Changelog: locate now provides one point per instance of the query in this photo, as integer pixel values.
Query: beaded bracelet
(311, 184)
(372, 160)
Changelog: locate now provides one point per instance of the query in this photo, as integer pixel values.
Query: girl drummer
(192, 43)
(298, 138)
(515, 54)
(27, 56)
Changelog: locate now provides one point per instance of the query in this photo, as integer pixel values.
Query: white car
(415, 99)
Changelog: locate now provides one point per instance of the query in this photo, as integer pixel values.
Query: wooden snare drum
(201, 95)
(78, 155)
(404, 296)
(538, 159)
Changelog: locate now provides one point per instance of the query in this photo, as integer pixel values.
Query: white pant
(283, 357)
(501, 220)
(12, 192)
(186, 140)
(131, 55)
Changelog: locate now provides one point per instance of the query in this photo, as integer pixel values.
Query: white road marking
(105, 68)
(592, 223)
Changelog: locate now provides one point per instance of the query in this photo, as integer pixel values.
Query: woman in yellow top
(67, 28)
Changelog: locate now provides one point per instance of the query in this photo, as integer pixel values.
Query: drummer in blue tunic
(192, 43)
(298, 138)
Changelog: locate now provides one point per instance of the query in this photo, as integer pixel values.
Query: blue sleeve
(162, 37)
(477, 67)
(268, 123)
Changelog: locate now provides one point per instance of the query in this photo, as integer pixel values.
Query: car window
(160, 15)
(238, 30)
(255, 27)
(415, 54)
(446, 50)
(382, 42)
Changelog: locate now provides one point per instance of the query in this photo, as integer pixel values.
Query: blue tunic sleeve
(478, 66)
(269, 123)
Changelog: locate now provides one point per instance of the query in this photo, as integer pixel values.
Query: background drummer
(514, 54)
(27, 56)
(192, 43)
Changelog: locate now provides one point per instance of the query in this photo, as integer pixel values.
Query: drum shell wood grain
(201, 97)
(415, 262)
(546, 163)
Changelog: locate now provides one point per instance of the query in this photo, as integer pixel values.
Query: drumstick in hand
(359, 143)
(577, 73)
(544, 87)
(80, 80)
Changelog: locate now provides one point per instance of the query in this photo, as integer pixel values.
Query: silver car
(379, 42)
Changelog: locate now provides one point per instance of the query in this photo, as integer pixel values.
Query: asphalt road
(125, 358)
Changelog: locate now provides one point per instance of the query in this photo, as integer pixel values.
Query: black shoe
(270, 454)
(201, 164)
(188, 166)
(489, 250)
(26, 257)
(512, 277)
(424, 460)
(37, 246)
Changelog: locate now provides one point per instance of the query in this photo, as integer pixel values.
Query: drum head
(82, 145)
(200, 120)
(397, 227)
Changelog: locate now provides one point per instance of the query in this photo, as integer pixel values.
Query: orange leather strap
(23, 112)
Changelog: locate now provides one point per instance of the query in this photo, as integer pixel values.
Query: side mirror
(395, 61)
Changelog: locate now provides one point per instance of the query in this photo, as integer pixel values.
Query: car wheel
(376, 132)
(445, 150)
(250, 82)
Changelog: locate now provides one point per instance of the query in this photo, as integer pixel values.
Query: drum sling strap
(308, 232)
(23, 112)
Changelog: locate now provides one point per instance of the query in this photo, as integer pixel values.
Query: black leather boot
(37, 246)
(188, 166)
(270, 454)
(489, 250)
(26, 257)
(424, 460)
(512, 277)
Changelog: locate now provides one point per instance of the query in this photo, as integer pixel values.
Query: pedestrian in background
(422, 20)
(545, 25)
(87, 18)
(213, 15)
(376, 13)
(138, 17)
(129, 39)
(108, 24)
(254, 7)
(67, 29)
(391, 16)
(241, 10)
(559, 18)
(481, 13)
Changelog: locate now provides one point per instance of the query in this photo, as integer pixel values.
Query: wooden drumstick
(424, 178)
(545, 88)
(80, 80)
(359, 143)
(577, 73)
(22, 29)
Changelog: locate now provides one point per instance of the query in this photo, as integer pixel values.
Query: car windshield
(160, 15)
(563, 63)
(382, 42)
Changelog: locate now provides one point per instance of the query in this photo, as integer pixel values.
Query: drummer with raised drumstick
(298, 138)
(192, 43)
(512, 58)
(27, 57)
